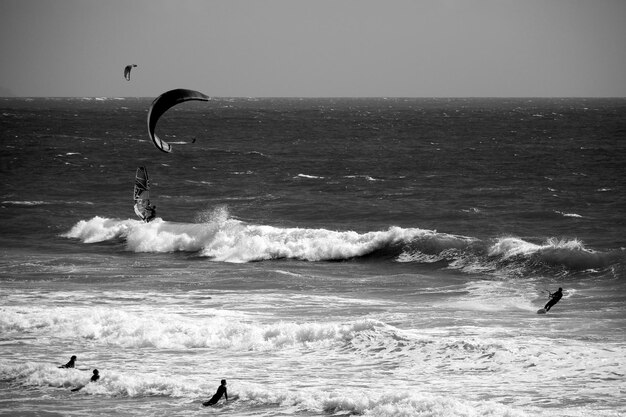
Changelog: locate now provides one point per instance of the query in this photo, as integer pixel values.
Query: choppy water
(326, 256)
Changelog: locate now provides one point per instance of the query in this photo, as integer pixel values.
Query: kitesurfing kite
(127, 71)
(162, 104)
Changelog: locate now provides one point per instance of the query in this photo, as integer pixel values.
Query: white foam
(229, 240)
(358, 366)
(365, 177)
(24, 203)
(221, 238)
(405, 403)
(568, 214)
(166, 330)
(511, 246)
(244, 243)
(100, 229)
(492, 296)
(335, 399)
(309, 176)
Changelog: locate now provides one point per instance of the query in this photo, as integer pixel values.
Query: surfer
(70, 364)
(94, 378)
(554, 298)
(221, 390)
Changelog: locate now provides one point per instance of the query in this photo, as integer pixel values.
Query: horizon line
(323, 97)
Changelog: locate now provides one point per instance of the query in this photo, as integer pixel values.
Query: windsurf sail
(141, 193)
(162, 104)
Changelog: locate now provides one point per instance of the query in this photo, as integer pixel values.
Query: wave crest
(119, 383)
(229, 240)
(221, 238)
(167, 331)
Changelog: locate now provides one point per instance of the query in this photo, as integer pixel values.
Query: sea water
(380, 257)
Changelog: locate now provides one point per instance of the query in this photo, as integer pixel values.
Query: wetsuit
(151, 215)
(221, 390)
(94, 378)
(555, 299)
(70, 364)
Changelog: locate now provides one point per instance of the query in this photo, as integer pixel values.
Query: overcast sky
(314, 48)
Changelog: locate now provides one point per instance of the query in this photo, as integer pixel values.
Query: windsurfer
(150, 213)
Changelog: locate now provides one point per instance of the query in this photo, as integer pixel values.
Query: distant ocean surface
(327, 257)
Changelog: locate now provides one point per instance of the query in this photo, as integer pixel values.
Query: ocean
(327, 257)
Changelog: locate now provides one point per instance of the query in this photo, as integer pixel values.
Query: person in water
(70, 364)
(554, 298)
(221, 390)
(151, 213)
(95, 377)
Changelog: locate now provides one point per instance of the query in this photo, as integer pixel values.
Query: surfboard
(541, 311)
(141, 192)
(75, 368)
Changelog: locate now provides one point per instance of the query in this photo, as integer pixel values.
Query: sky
(314, 48)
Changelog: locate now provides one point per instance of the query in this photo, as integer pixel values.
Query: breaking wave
(218, 237)
(435, 352)
(116, 384)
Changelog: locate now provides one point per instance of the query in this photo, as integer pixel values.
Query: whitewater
(327, 257)
(230, 240)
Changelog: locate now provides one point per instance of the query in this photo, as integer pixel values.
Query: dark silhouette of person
(151, 213)
(554, 298)
(94, 378)
(70, 364)
(221, 390)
